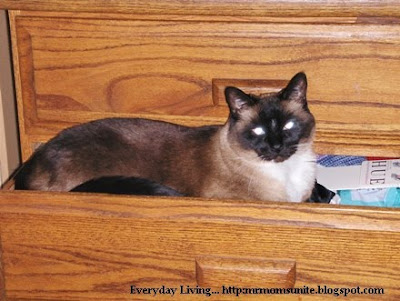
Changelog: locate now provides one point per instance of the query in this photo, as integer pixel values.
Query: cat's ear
(238, 101)
(296, 89)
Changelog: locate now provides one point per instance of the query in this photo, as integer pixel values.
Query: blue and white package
(380, 197)
(335, 160)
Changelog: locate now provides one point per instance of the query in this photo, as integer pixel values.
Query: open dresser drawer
(170, 61)
(79, 247)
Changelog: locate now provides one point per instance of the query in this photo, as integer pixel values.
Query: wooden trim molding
(331, 8)
(2, 277)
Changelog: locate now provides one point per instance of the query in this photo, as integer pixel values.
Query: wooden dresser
(76, 61)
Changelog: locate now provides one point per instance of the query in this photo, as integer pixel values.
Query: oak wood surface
(91, 247)
(216, 7)
(89, 68)
(2, 277)
(215, 271)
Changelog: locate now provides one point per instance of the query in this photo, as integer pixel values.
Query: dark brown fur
(160, 151)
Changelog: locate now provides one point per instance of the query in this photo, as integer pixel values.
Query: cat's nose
(276, 147)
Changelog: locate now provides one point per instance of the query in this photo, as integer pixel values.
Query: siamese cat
(262, 152)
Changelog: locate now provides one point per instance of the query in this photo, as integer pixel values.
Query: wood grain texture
(2, 277)
(216, 7)
(24, 141)
(252, 86)
(91, 247)
(216, 271)
(118, 60)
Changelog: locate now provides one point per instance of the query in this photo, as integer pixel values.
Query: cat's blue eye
(258, 131)
(289, 125)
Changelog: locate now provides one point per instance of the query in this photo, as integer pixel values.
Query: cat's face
(272, 126)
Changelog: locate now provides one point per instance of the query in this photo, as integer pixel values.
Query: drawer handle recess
(215, 271)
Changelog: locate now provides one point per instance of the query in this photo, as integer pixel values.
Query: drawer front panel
(90, 68)
(94, 248)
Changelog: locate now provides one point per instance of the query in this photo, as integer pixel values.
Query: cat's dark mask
(273, 125)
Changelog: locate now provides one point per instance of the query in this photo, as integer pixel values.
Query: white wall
(9, 147)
